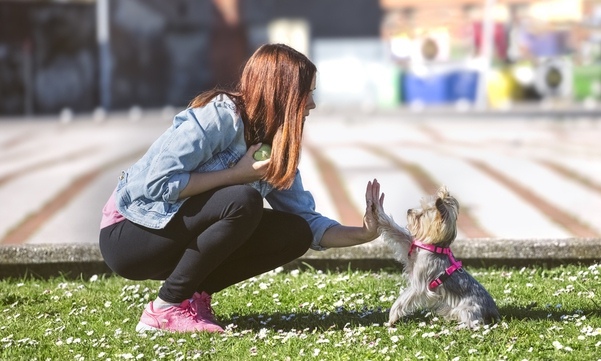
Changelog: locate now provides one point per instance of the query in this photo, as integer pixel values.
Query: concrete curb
(83, 260)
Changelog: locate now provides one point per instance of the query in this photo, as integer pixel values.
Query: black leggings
(215, 240)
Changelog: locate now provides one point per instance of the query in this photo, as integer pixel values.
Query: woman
(190, 211)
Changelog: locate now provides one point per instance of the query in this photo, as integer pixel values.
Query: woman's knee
(226, 202)
(245, 195)
(118, 265)
(244, 200)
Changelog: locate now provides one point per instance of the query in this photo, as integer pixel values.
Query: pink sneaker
(201, 304)
(180, 318)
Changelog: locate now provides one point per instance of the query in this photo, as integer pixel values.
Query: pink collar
(455, 265)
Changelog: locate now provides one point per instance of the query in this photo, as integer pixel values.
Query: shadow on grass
(534, 313)
(342, 318)
(335, 320)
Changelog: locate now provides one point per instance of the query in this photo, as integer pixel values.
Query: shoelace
(188, 310)
(205, 309)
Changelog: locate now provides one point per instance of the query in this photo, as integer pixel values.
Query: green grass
(548, 314)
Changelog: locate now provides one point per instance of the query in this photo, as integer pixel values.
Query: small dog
(436, 281)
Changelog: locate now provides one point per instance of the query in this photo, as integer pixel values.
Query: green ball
(263, 153)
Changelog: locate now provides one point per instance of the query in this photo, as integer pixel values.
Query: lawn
(548, 314)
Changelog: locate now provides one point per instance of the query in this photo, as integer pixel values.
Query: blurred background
(106, 55)
(497, 99)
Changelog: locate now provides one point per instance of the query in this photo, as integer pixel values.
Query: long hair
(271, 99)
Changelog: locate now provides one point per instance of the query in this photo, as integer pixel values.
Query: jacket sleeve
(298, 201)
(196, 135)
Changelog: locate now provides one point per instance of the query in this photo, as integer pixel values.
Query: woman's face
(310, 102)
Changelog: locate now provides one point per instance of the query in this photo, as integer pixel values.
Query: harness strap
(455, 265)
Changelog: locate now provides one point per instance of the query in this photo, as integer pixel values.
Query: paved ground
(515, 177)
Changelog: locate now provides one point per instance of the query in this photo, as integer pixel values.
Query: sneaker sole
(142, 327)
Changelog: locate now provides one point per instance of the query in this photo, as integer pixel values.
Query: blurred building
(116, 54)
(462, 20)
(539, 49)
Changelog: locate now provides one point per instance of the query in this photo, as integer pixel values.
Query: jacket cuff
(175, 185)
(318, 235)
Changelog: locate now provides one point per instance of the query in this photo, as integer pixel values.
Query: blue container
(429, 89)
(463, 85)
(440, 88)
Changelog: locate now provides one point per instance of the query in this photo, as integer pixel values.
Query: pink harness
(455, 265)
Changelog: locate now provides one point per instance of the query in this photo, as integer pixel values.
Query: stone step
(83, 260)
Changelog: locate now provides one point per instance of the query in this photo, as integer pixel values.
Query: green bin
(587, 82)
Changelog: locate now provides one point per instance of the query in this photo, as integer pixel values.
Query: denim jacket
(204, 139)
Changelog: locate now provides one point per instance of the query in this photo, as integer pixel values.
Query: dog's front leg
(403, 306)
(397, 238)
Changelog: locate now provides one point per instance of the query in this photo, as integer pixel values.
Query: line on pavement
(572, 175)
(34, 222)
(553, 166)
(16, 140)
(564, 219)
(465, 221)
(346, 209)
(47, 164)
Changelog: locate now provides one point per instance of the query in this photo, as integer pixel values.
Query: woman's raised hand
(374, 203)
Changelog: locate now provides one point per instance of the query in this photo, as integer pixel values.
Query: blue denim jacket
(201, 139)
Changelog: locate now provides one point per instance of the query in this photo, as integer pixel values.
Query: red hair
(271, 98)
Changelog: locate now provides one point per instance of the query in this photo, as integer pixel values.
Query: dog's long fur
(460, 297)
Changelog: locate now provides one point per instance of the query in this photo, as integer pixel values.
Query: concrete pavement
(519, 178)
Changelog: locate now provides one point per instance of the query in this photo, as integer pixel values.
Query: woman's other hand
(248, 169)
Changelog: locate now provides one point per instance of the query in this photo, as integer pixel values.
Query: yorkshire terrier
(436, 280)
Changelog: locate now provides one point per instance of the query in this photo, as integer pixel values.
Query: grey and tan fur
(460, 297)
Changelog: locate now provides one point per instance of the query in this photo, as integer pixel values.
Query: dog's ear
(442, 209)
(442, 192)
